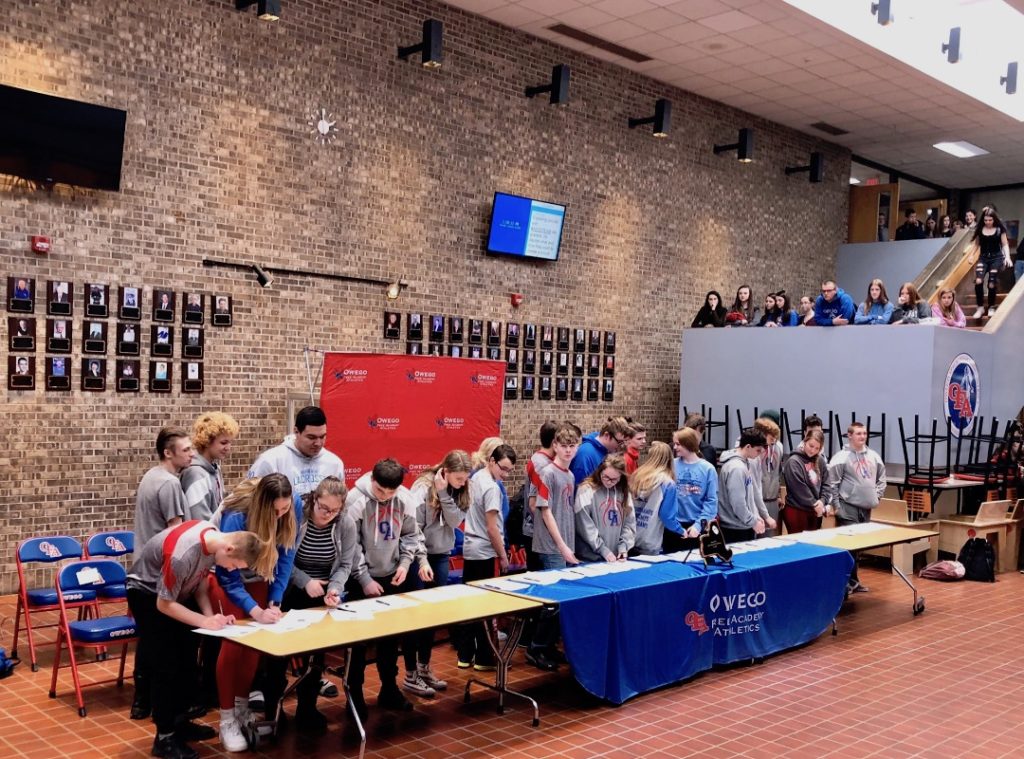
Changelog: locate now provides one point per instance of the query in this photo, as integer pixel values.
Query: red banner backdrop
(411, 408)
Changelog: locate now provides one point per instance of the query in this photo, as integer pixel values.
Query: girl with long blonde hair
(652, 487)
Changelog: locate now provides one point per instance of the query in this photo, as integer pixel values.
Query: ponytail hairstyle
(617, 462)
(328, 486)
(262, 519)
(454, 461)
(657, 468)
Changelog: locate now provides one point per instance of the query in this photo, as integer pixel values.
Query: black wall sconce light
(816, 168)
(1010, 80)
(883, 10)
(952, 48)
(559, 86)
(267, 10)
(430, 47)
(262, 278)
(662, 118)
(744, 146)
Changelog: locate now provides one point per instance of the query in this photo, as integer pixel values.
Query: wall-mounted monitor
(525, 227)
(50, 140)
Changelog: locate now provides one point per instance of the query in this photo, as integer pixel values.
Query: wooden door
(866, 203)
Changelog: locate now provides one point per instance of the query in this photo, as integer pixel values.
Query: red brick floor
(945, 684)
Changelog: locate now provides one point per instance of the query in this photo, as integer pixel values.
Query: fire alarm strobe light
(40, 244)
(516, 298)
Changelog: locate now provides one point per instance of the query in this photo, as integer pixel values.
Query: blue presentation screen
(525, 227)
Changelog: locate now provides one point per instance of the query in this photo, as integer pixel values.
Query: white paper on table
(350, 615)
(626, 566)
(509, 586)
(230, 631)
(593, 570)
(448, 593)
(538, 578)
(652, 559)
(310, 616)
(389, 603)
(564, 574)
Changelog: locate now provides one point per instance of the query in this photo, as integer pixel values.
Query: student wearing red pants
(804, 475)
(267, 509)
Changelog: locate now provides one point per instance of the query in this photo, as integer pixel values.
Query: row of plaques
(21, 374)
(528, 387)
(22, 338)
(21, 298)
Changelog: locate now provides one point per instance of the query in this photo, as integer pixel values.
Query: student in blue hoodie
(876, 308)
(696, 488)
(834, 307)
(610, 439)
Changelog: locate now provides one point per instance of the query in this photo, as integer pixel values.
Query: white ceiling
(766, 58)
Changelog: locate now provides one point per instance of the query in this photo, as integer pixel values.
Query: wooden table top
(470, 605)
(853, 539)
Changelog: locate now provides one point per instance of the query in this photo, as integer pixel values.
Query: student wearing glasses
(323, 562)
(605, 522)
(834, 307)
(484, 543)
(611, 438)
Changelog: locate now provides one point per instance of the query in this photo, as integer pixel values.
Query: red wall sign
(411, 408)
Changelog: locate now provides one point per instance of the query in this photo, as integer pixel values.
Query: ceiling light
(960, 149)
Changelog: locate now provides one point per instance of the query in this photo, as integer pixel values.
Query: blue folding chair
(90, 575)
(45, 550)
(111, 545)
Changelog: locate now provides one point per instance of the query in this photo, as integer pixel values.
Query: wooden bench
(896, 513)
(998, 522)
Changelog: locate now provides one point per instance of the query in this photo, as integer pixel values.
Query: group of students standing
(292, 535)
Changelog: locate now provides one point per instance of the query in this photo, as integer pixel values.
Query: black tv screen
(525, 227)
(50, 139)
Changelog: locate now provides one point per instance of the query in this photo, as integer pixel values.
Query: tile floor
(945, 684)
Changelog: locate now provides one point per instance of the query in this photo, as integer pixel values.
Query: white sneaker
(231, 736)
(502, 636)
(427, 676)
(414, 684)
(992, 311)
(979, 312)
(256, 701)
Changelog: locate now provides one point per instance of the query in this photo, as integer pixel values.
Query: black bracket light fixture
(1010, 80)
(816, 168)
(744, 146)
(393, 288)
(558, 87)
(662, 118)
(266, 10)
(883, 10)
(430, 46)
(952, 48)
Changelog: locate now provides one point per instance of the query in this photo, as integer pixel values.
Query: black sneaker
(172, 747)
(193, 731)
(196, 711)
(540, 660)
(140, 710)
(391, 698)
(327, 688)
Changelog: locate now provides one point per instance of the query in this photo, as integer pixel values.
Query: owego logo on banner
(960, 394)
(422, 378)
(352, 375)
(450, 422)
(741, 613)
(484, 380)
(383, 423)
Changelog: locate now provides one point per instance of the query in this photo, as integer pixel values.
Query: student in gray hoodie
(302, 457)
(855, 484)
(741, 511)
(203, 481)
(390, 540)
(442, 497)
(605, 522)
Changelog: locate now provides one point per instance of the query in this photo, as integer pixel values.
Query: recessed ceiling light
(854, 180)
(960, 149)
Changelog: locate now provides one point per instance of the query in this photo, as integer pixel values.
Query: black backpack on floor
(979, 560)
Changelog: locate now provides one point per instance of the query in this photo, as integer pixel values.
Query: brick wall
(219, 162)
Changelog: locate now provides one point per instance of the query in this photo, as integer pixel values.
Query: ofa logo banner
(961, 393)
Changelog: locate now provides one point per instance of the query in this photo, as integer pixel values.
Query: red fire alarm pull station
(40, 244)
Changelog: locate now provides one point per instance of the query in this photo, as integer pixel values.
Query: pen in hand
(221, 607)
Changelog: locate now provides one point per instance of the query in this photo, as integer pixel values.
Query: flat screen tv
(525, 227)
(49, 139)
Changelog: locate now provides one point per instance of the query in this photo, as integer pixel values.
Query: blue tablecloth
(635, 631)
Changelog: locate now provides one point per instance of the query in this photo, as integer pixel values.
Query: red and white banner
(411, 408)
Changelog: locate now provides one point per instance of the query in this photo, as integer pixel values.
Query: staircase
(965, 297)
